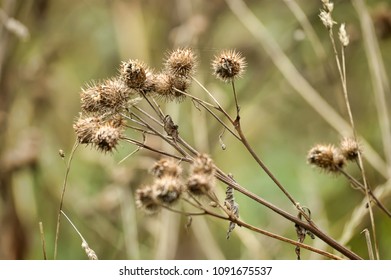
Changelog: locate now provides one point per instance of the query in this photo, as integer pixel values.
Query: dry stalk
(369, 243)
(89, 252)
(68, 168)
(43, 240)
(378, 76)
(297, 81)
(341, 70)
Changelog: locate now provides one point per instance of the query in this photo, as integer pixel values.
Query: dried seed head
(86, 129)
(202, 178)
(181, 62)
(145, 200)
(199, 184)
(171, 87)
(117, 121)
(228, 65)
(343, 36)
(90, 253)
(166, 167)
(167, 189)
(150, 82)
(328, 6)
(326, 19)
(203, 164)
(326, 157)
(107, 137)
(350, 148)
(91, 98)
(110, 95)
(133, 73)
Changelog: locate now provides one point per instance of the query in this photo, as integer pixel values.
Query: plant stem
(362, 188)
(43, 240)
(296, 79)
(243, 139)
(236, 100)
(142, 145)
(380, 82)
(287, 240)
(310, 226)
(342, 75)
(68, 168)
(241, 223)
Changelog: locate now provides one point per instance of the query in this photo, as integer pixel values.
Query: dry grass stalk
(89, 252)
(43, 240)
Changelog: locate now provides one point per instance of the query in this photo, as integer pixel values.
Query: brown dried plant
(112, 107)
(130, 102)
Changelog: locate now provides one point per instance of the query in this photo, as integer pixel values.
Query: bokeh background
(56, 47)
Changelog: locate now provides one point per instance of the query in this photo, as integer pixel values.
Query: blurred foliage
(73, 42)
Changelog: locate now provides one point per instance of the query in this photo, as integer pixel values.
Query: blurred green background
(73, 42)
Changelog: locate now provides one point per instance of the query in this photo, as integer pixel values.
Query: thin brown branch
(310, 226)
(220, 121)
(362, 188)
(241, 223)
(142, 145)
(219, 107)
(236, 100)
(164, 137)
(243, 139)
(287, 240)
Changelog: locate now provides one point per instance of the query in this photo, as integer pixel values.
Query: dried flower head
(350, 148)
(107, 137)
(133, 73)
(85, 128)
(110, 95)
(201, 178)
(181, 62)
(117, 121)
(167, 189)
(326, 157)
(150, 82)
(343, 36)
(203, 164)
(166, 167)
(171, 87)
(145, 200)
(228, 65)
(199, 184)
